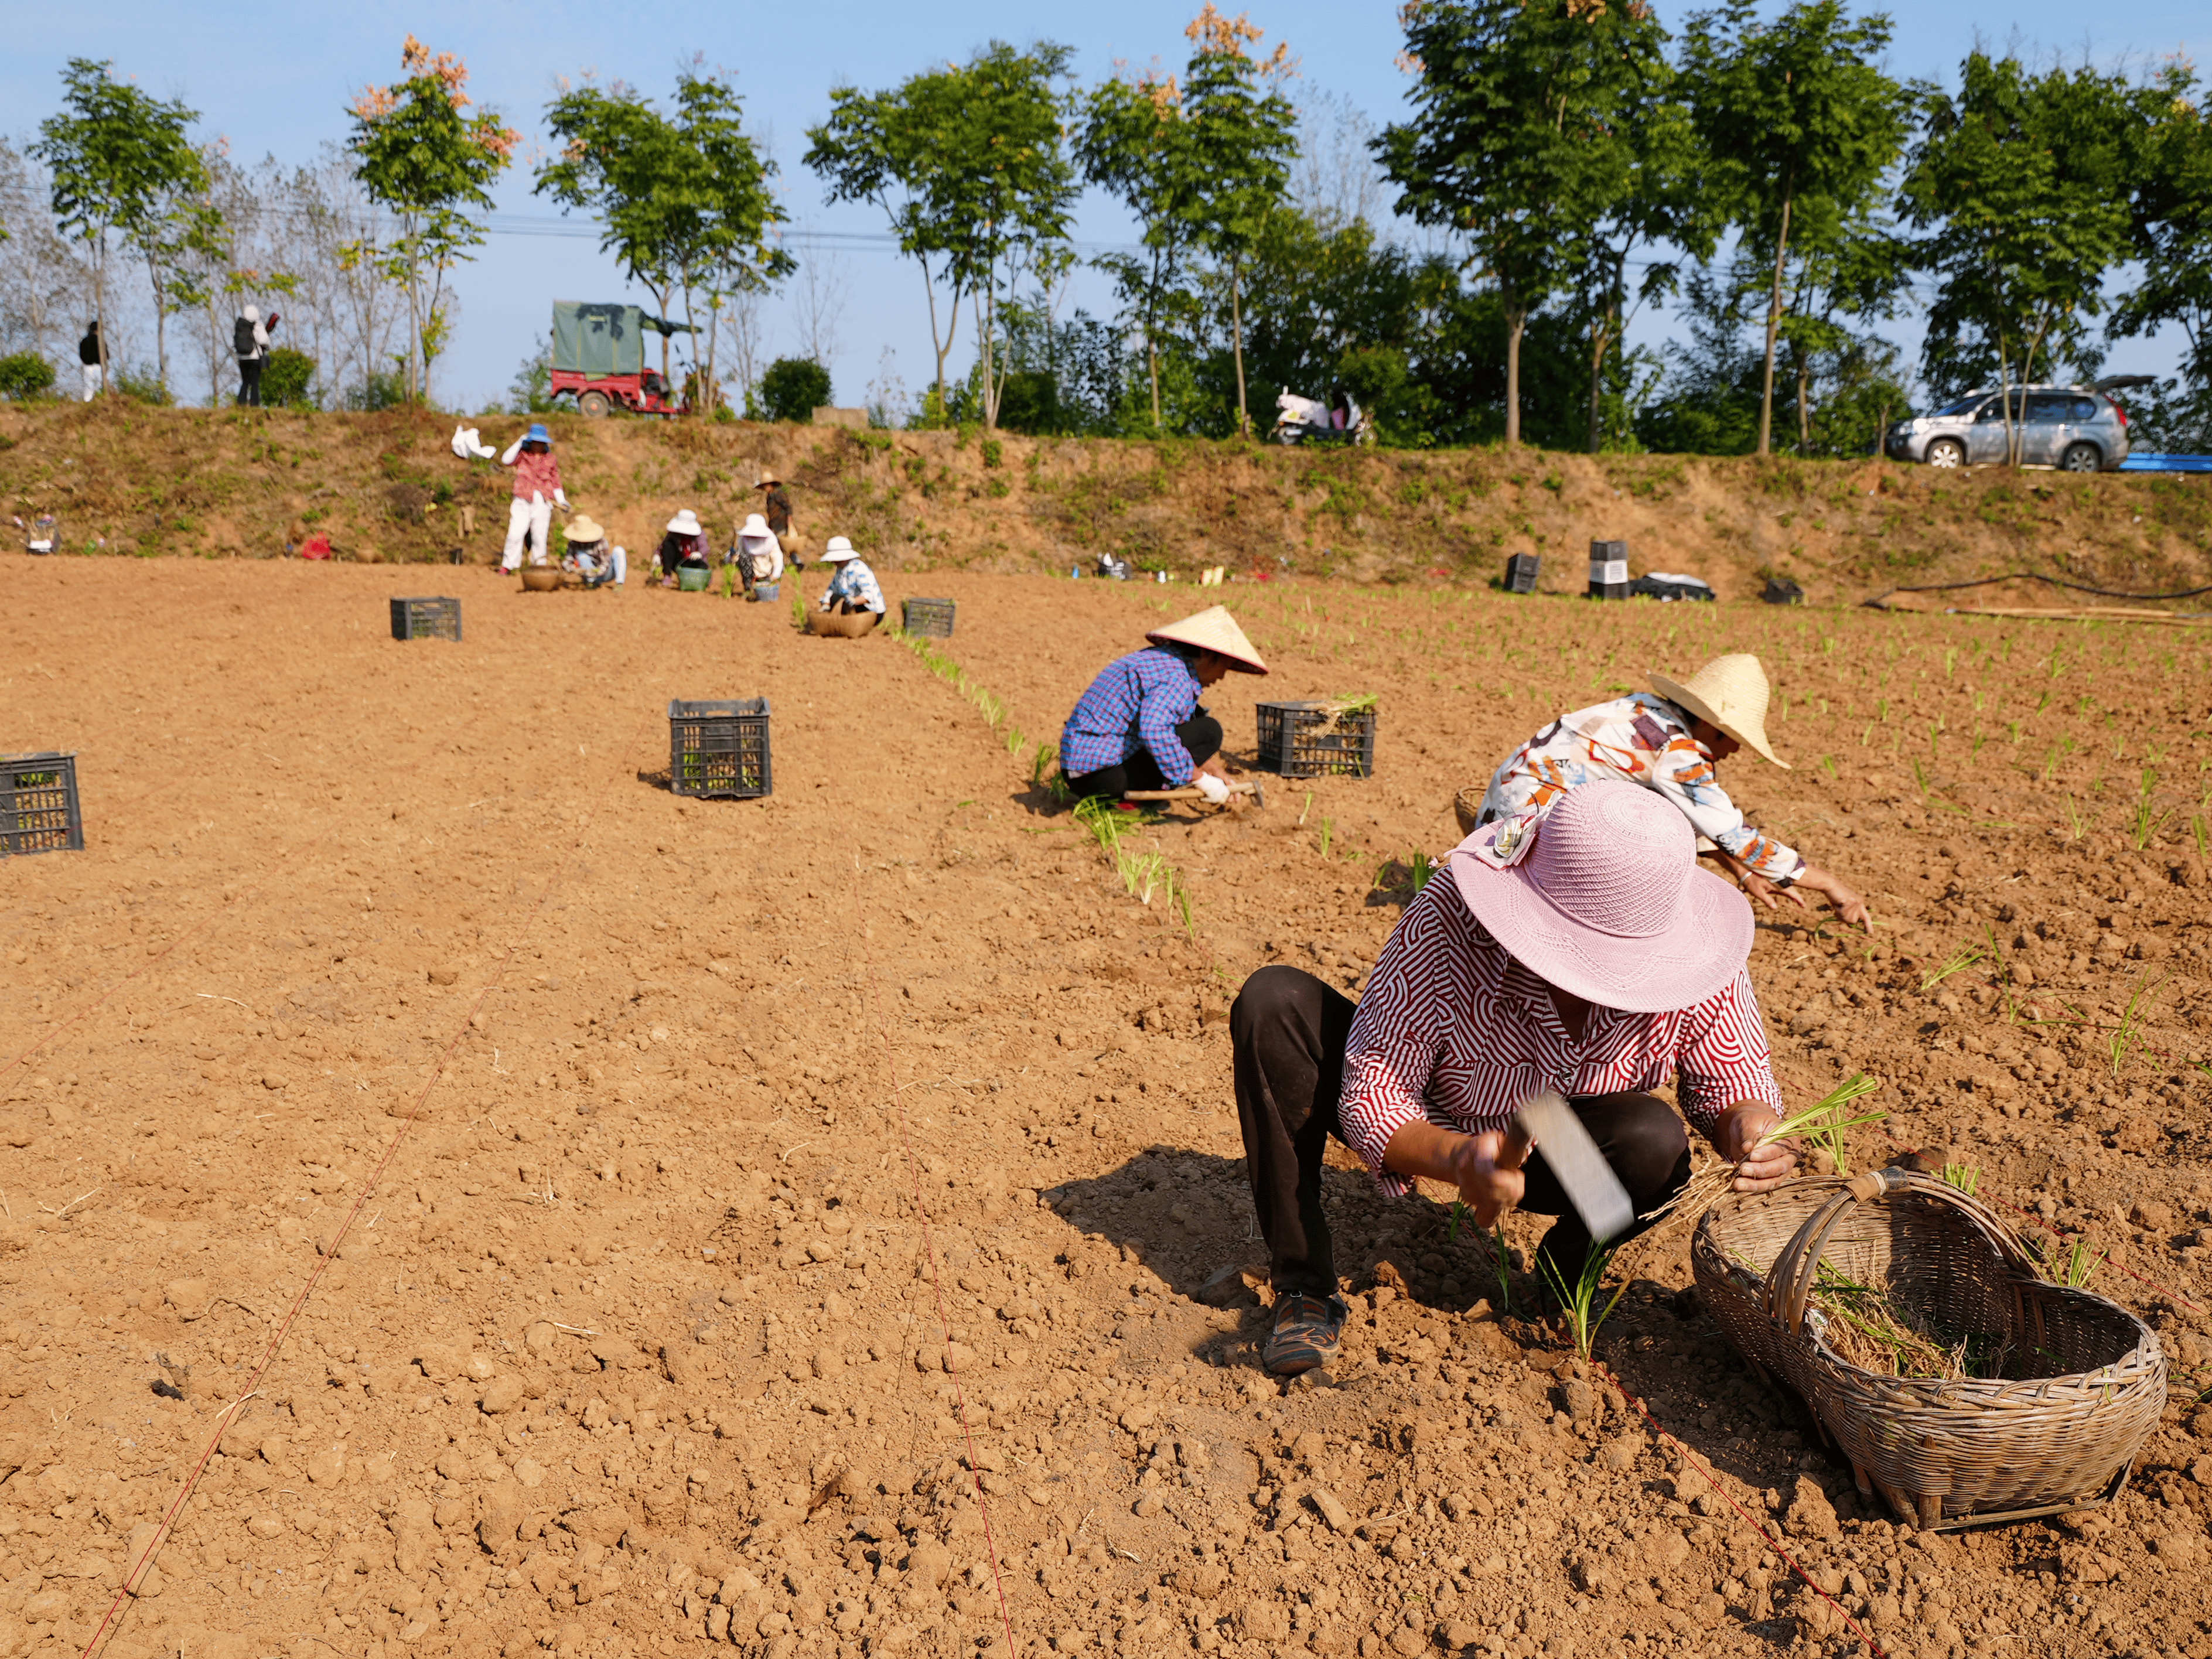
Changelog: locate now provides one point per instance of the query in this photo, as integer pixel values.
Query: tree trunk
(1600, 338)
(1773, 328)
(2004, 396)
(1804, 402)
(100, 311)
(1237, 336)
(160, 327)
(944, 347)
(1517, 322)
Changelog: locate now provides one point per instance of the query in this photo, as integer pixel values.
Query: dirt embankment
(225, 484)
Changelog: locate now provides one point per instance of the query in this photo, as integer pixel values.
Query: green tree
(968, 164)
(793, 388)
(288, 379)
(119, 161)
(422, 157)
(1636, 184)
(26, 377)
(1245, 131)
(1511, 145)
(683, 200)
(1801, 127)
(2024, 183)
(1136, 144)
(2170, 229)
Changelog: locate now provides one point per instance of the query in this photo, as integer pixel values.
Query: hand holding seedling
(1741, 1136)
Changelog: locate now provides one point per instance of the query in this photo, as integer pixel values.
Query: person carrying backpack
(249, 339)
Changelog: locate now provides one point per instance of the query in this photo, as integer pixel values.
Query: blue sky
(275, 79)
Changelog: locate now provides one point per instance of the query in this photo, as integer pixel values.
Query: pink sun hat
(1602, 897)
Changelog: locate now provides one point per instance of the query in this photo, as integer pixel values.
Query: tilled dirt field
(635, 1343)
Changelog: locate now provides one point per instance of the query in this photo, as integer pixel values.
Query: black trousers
(249, 382)
(1288, 1031)
(1201, 734)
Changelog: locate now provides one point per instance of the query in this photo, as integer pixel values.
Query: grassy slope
(225, 484)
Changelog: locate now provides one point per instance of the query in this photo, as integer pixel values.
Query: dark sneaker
(1308, 1331)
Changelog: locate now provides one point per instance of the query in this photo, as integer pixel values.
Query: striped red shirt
(1454, 1029)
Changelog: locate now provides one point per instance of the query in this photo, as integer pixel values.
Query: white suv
(2072, 427)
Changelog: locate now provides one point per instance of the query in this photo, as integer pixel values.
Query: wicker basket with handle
(2082, 1381)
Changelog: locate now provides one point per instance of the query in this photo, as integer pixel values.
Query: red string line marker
(1772, 1543)
(929, 1244)
(367, 1191)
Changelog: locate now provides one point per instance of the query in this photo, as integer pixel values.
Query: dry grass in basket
(1825, 1126)
(1865, 1328)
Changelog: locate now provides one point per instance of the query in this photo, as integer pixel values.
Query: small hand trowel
(1591, 1186)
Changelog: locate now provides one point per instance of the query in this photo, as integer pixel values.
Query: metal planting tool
(1591, 1186)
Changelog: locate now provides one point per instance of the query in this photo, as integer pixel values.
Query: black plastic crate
(1521, 573)
(930, 616)
(426, 619)
(1316, 739)
(1608, 570)
(1780, 590)
(719, 748)
(38, 810)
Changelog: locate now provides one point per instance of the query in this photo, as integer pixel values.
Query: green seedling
(1957, 963)
(1579, 1304)
(2074, 817)
(2128, 1036)
(1327, 833)
(1423, 867)
(2143, 822)
(2072, 1264)
(1965, 1177)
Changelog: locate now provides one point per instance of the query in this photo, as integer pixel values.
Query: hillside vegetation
(127, 479)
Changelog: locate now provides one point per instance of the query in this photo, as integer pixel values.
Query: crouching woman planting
(1585, 953)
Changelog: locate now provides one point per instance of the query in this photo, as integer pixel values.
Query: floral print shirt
(1646, 740)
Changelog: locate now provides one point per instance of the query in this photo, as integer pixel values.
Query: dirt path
(636, 1344)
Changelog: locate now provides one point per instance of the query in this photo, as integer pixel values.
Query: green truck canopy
(603, 339)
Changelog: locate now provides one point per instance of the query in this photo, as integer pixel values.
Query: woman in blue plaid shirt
(1140, 726)
(855, 586)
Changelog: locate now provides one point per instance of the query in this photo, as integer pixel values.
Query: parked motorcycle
(1309, 420)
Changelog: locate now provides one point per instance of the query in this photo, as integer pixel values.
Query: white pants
(91, 381)
(535, 516)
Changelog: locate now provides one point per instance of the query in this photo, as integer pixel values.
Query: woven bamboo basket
(846, 625)
(2082, 1383)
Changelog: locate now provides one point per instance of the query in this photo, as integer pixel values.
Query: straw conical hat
(1731, 693)
(586, 528)
(1213, 629)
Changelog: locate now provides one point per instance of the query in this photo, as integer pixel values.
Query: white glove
(1214, 789)
(561, 496)
(507, 457)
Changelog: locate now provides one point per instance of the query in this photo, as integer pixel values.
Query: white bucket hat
(755, 529)
(1213, 629)
(685, 523)
(1729, 692)
(838, 552)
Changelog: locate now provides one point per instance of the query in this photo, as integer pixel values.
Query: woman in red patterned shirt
(1588, 954)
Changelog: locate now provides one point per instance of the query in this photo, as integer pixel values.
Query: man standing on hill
(88, 354)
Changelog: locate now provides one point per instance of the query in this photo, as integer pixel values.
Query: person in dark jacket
(88, 354)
